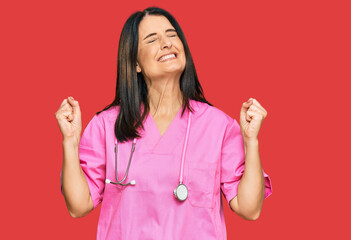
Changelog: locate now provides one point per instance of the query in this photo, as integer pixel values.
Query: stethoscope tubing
(131, 155)
(130, 160)
(126, 173)
(184, 149)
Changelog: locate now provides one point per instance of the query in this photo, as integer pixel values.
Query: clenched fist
(69, 119)
(252, 115)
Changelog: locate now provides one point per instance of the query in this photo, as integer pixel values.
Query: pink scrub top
(214, 162)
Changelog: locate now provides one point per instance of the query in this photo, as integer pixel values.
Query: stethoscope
(180, 192)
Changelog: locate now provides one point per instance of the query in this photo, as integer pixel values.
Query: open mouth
(167, 57)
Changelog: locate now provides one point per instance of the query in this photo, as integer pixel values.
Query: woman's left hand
(252, 115)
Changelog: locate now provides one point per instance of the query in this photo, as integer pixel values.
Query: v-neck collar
(154, 123)
(166, 143)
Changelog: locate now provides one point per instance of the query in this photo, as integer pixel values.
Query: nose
(166, 42)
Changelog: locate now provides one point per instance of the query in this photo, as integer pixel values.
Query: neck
(165, 97)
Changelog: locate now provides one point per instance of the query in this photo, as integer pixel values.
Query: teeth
(166, 57)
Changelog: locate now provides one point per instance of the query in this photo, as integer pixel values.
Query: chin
(174, 68)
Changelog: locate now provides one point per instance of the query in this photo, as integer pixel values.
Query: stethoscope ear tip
(107, 181)
(132, 182)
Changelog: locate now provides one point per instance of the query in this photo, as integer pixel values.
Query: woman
(160, 154)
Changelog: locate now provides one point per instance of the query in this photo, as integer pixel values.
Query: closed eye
(156, 39)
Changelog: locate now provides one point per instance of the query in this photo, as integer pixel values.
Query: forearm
(74, 184)
(251, 188)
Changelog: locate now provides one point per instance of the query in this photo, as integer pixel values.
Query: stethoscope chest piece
(181, 192)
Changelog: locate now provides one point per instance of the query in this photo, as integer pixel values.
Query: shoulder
(211, 114)
(213, 124)
(108, 115)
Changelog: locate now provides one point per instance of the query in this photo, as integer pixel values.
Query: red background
(292, 56)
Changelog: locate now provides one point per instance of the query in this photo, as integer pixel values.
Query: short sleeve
(92, 157)
(233, 163)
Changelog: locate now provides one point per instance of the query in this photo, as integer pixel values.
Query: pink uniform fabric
(214, 162)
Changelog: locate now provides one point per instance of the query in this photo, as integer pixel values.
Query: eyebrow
(152, 34)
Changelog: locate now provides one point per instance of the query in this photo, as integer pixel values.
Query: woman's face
(160, 50)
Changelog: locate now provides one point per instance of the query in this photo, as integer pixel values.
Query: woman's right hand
(69, 120)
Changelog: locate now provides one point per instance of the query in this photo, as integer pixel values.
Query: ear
(138, 69)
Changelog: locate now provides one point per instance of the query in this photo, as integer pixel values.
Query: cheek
(146, 56)
(147, 62)
(181, 49)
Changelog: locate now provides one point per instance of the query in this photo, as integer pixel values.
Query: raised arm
(74, 184)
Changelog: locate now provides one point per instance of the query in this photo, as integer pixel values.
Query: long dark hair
(131, 88)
